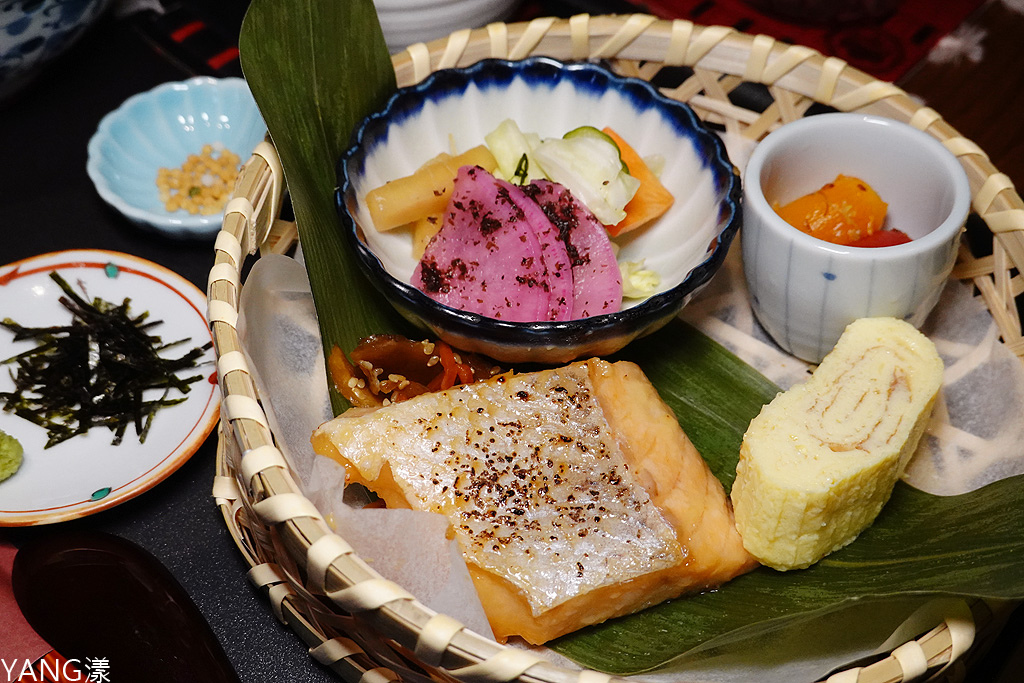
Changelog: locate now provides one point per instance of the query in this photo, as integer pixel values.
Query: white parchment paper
(281, 339)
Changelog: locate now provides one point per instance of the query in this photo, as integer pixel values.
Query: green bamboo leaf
(316, 67)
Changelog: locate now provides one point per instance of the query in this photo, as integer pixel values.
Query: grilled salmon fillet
(573, 493)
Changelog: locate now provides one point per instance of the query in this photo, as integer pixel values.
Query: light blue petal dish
(159, 129)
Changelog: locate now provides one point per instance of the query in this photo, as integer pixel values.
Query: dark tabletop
(48, 203)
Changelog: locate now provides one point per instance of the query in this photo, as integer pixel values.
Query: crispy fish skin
(548, 500)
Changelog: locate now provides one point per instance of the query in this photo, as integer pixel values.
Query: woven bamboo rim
(368, 628)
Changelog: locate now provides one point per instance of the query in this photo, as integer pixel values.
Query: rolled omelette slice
(820, 461)
(573, 493)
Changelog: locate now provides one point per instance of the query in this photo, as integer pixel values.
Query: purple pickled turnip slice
(487, 258)
(553, 251)
(597, 282)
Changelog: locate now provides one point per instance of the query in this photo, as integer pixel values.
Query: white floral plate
(86, 474)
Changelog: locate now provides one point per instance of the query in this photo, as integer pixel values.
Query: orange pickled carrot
(842, 212)
(651, 200)
(454, 371)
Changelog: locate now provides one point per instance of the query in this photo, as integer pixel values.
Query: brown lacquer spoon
(98, 599)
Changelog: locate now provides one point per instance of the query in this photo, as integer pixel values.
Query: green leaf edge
(339, 46)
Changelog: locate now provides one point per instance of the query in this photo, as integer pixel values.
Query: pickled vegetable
(883, 238)
(651, 200)
(423, 193)
(512, 148)
(841, 212)
(496, 254)
(590, 167)
(390, 368)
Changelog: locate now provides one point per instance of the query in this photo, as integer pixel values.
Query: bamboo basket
(365, 627)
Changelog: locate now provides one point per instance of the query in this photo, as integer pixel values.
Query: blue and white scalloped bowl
(454, 109)
(159, 129)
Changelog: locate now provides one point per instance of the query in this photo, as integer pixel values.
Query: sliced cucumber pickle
(597, 134)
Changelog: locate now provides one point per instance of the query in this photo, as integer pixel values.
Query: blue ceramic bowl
(160, 128)
(35, 32)
(456, 108)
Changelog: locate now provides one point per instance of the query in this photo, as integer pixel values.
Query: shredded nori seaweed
(95, 371)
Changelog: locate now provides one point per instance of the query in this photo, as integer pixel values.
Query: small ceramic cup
(805, 291)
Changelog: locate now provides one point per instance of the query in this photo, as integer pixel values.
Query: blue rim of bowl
(184, 225)
(658, 308)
